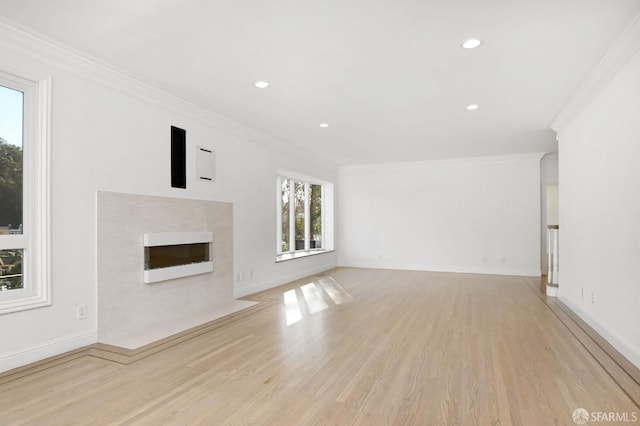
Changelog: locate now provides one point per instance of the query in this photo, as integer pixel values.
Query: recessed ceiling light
(324, 125)
(472, 43)
(473, 107)
(262, 84)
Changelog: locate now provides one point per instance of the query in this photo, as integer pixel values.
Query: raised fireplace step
(130, 347)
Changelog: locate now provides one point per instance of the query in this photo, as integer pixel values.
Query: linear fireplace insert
(170, 255)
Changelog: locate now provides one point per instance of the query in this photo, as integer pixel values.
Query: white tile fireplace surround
(131, 313)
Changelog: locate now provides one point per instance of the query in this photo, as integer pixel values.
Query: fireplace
(171, 255)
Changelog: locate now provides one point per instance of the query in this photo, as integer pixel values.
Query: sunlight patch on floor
(291, 307)
(315, 297)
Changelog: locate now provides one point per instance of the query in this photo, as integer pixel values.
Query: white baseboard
(533, 272)
(628, 350)
(11, 360)
(266, 285)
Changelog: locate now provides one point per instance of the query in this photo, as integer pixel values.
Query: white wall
(111, 133)
(600, 211)
(469, 215)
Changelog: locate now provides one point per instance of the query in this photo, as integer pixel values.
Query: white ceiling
(389, 76)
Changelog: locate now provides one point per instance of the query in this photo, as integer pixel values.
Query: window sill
(300, 253)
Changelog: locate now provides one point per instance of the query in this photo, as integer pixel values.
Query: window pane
(299, 212)
(10, 269)
(315, 213)
(10, 161)
(285, 215)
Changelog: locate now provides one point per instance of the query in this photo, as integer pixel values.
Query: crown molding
(33, 50)
(620, 53)
(413, 165)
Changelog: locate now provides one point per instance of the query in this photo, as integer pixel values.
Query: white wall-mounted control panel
(205, 164)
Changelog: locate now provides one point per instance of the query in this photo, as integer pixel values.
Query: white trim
(283, 257)
(628, 350)
(409, 165)
(173, 272)
(8, 242)
(11, 360)
(624, 48)
(441, 268)
(176, 238)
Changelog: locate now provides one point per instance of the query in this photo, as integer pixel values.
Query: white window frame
(327, 216)
(36, 155)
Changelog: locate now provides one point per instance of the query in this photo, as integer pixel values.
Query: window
(24, 191)
(305, 216)
(11, 188)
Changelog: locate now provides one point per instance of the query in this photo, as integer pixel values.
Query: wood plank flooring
(352, 346)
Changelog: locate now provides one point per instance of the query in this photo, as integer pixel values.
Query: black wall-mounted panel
(178, 157)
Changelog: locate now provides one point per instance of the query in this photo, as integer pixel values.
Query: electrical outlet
(593, 297)
(251, 274)
(81, 312)
(583, 292)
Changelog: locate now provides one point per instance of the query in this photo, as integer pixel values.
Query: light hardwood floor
(352, 346)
